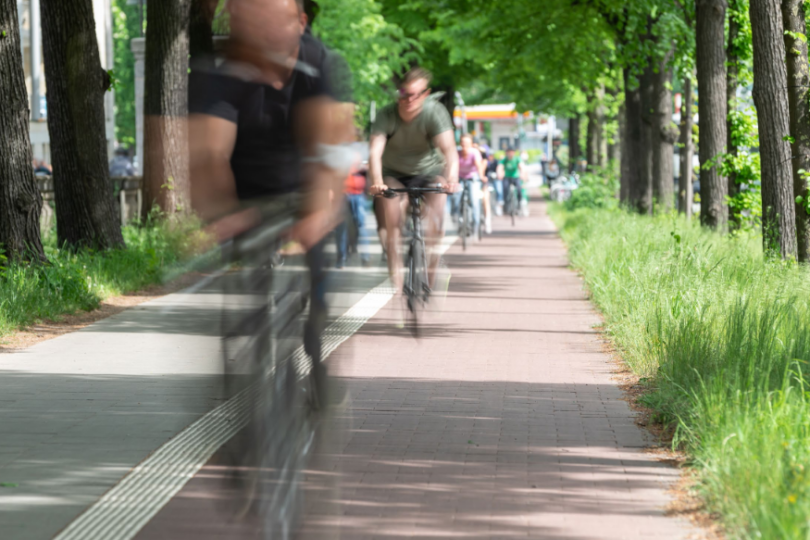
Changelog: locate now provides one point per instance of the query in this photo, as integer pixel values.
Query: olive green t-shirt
(409, 150)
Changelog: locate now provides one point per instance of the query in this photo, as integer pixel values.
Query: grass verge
(721, 337)
(80, 280)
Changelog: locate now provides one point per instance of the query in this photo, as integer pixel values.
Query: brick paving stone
(502, 422)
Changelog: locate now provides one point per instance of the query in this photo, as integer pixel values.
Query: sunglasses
(403, 96)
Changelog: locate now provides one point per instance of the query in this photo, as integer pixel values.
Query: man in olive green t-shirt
(410, 140)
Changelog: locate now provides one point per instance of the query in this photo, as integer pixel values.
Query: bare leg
(485, 195)
(379, 214)
(393, 211)
(432, 225)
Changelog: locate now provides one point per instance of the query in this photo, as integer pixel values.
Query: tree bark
(166, 160)
(594, 139)
(573, 143)
(638, 192)
(85, 210)
(646, 155)
(664, 136)
(624, 187)
(685, 195)
(712, 108)
(771, 99)
(732, 61)
(798, 80)
(613, 150)
(20, 200)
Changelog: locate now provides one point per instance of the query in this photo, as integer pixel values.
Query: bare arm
(446, 144)
(500, 172)
(522, 171)
(323, 126)
(480, 164)
(211, 143)
(375, 152)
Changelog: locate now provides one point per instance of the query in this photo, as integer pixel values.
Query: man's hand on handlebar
(377, 189)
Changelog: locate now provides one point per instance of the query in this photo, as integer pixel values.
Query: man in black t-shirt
(265, 125)
(266, 135)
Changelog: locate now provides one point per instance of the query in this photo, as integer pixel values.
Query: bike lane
(502, 421)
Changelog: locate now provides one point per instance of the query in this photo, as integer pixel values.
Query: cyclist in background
(512, 171)
(491, 172)
(412, 140)
(471, 169)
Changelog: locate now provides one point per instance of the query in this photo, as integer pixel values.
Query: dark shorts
(413, 181)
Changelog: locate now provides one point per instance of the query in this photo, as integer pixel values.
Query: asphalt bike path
(501, 421)
(79, 412)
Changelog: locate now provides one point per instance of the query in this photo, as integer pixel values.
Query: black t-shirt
(265, 158)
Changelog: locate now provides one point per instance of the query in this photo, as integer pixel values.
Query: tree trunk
(664, 136)
(85, 210)
(166, 168)
(20, 200)
(771, 99)
(712, 108)
(593, 139)
(637, 188)
(573, 143)
(624, 187)
(685, 194)
(613, 147)
(732, 61)
(646, 155)
(798, 80)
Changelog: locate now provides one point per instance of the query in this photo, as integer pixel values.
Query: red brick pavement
(502, 422)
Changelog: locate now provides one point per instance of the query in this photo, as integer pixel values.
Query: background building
(31, 43)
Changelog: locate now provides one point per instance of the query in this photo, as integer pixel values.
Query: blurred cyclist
(496, 183)
(266, 137)
(512, 171)
(411, 141)
(471, 169)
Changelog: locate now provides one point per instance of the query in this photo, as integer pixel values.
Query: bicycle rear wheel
(514, 205)
(464, 221)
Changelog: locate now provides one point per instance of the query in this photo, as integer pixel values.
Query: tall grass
(723, 338)
(80, 280)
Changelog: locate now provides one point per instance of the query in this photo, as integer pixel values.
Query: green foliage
(383, 52)
(746, 205)
(721, 335)
(596, 190)
(125, 27)
(80, 280)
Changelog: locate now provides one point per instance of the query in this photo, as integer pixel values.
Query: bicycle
(263, 326)
(465, 220)
(513, 201)
(417, 285)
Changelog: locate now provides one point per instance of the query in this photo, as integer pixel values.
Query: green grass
(723, 337)
(80, 280)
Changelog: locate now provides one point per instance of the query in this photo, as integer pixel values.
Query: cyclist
(471, 169)
(496, 183)
(512, 171)
(267, 133)
(412, 140)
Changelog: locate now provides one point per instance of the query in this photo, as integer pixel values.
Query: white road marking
(126, 508)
